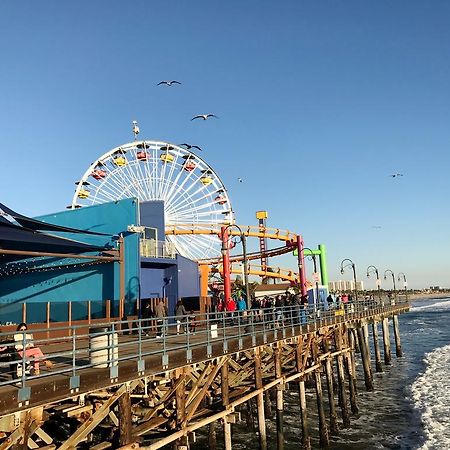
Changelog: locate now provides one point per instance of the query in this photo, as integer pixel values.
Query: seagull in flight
(168, 82)
(376, 227)
(189, 146)
(395, 175)
(204, 116)
(240, 180)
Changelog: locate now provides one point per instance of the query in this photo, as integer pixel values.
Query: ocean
(409, 408)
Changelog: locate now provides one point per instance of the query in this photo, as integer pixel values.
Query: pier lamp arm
(352, 265)
(387, 271)
(243, 241)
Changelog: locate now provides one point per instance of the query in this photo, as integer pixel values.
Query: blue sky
(318, 102)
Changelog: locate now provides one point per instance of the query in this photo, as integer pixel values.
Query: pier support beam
(386, 341)
(280, 406)
(351, 373)
(398, 345)
(323, 429)
(330, 388)
(124, 403)
(260, 402)
(180, 400)
(341, 378)
(376, 347)
(225, 402)
(306, 442)
(365, 356)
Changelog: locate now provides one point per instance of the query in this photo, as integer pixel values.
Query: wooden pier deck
(157, 392)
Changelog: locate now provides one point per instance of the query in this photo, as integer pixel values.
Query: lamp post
(393, 278)
(313, 258)
(226, 261)
(405, 284)
(373, 269)
(352, 265)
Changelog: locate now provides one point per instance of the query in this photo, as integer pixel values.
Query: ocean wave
(431, 395)
(438, 306)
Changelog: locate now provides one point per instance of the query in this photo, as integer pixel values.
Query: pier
(117, 386)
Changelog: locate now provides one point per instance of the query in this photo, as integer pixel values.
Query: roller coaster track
(269, 272)
(247, 230)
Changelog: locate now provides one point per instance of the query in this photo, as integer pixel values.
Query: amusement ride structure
(199, 219)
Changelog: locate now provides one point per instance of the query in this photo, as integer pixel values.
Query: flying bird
(189, 146)
(376, 227)
(204, 116)
(168, 82)
(395, 175)
(240, 180)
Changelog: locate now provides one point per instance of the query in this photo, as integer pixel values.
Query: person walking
(180, 313)
(161, 314)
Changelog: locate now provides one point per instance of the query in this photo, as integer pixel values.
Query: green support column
(323, 265)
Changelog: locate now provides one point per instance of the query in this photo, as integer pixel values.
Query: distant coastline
(431, 295)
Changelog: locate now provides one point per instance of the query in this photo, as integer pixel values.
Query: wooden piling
(365, 356)
(323, 429)
(330, 389)
(349, 361)
(226, 401)
(260, 402)
(180, 399)
(398, 345)
(378, 365)
(279, 401)
(306, 442)
(386, 341)
(125, 425)
(212, 436)
(341, 378)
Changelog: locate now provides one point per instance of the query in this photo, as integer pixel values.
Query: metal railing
(78, 348)
(151, 248)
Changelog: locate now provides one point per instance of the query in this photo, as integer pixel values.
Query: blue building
(152, 268)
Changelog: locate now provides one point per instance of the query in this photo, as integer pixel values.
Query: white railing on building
(151, 248)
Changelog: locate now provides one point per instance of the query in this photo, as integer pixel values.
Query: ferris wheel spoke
(174, 164)
(176, 181)
(192, 198)
(191, 176)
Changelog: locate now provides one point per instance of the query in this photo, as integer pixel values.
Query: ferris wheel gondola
(191, 190)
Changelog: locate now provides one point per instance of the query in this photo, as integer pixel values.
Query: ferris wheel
(192, 192)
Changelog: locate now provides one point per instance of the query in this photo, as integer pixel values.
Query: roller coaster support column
(323, 265)
(226, 264)
(301, 265)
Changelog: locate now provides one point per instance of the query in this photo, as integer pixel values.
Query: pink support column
(301, 265)
(226, 264)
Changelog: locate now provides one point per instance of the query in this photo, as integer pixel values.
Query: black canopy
(34, 224)
(23, 239)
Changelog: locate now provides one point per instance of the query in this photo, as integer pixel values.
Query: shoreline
(429, 296)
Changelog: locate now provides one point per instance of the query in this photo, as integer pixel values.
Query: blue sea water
(410, 406)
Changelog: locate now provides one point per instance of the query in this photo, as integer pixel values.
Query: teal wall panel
(97, 282)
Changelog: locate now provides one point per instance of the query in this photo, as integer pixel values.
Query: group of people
(26, 349)
(184, 319)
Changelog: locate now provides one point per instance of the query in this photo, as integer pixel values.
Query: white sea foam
(438, 306)
(431, 394)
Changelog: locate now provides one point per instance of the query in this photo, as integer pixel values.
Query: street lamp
(373, 269)
(352, 265)
(405, 283)
(393, 278)
(313, 258)
(225, 248)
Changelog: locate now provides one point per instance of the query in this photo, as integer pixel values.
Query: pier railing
(75, 350)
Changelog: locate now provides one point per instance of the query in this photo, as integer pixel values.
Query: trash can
(103, 347)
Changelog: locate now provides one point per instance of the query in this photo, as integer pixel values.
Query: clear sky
(318, 102)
